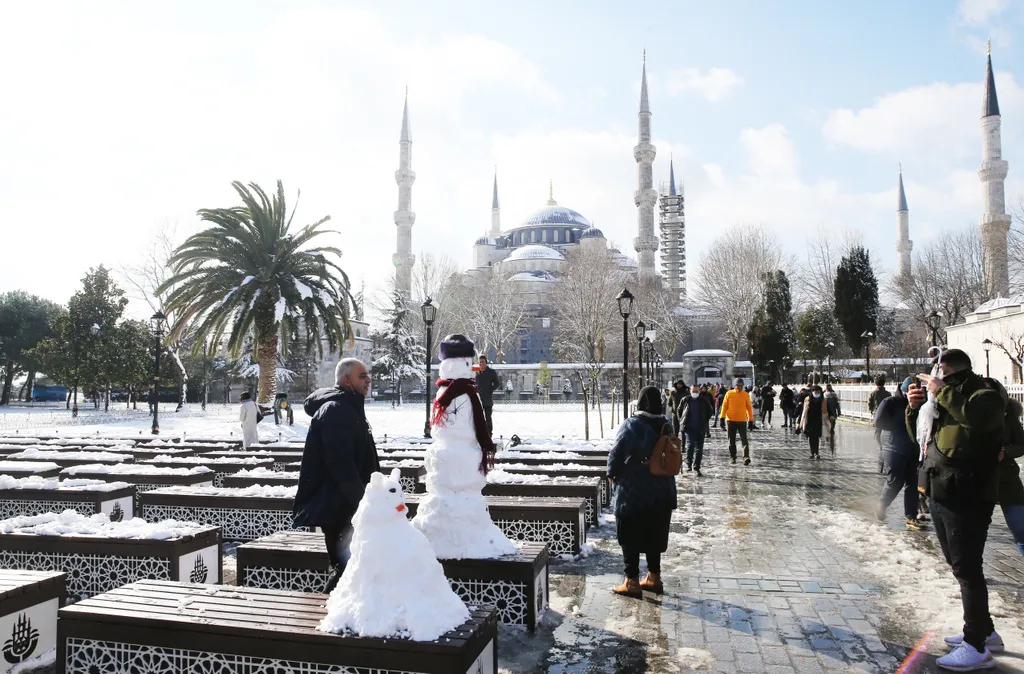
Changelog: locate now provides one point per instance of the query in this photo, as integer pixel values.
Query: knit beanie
(650, 401)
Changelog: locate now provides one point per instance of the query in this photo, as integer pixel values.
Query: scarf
(453, 389)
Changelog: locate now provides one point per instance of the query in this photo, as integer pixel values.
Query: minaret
(903, 243)
(495, 209)
(403, 258)
(673, 235)
(995, 223)
(645, 196)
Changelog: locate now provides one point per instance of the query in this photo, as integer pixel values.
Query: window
(568, 236)
(533, 236)
(556, 236)
(545, 322)
(544, 236)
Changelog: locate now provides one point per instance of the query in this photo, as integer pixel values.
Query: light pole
(157, 321)
(649, 358)
(987, 344)
(428, 310)
(638, 331)
(933, 322)
(625, 300)
(805, 353)
(206, 386)
(771, 369)
(866, 336)
(830, 346)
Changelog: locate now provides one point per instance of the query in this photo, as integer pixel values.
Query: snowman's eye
(392, 490)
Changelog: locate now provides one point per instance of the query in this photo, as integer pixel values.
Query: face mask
(817, 395)
(693, 394)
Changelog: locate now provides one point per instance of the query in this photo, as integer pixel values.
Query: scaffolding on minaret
(672, 223)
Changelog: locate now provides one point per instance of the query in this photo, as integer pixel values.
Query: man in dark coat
(787, 403)
(692, 416)
(487, 383)
(337, 462)
(675, 399)
(900, 452)
(961, 478)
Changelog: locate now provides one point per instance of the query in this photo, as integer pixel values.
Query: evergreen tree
(397, 355)
(815, 329)
(25, 320)
(856, 297)
(771, 330)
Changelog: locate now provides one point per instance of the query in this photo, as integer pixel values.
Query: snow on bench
(569, 470)
(142, 477)
(221, 467)
(280, 457)
(152, 626)
(413, 476)
(243, 514)
(99, 555)
(500, 483)
(34, 495)
(26, 468)
(66, 459)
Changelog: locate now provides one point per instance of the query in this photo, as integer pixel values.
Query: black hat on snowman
(456, 346)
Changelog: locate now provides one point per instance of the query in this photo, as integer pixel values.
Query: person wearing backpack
(642, 501)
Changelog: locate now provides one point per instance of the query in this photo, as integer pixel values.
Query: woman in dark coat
(643, 503)
(814, 421)
(899, 456)
(767, 403)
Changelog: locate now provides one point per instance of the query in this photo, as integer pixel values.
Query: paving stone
(774, 656)
(749, 662)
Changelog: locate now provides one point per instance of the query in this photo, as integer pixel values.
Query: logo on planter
(199, 571)
(23, 641)
(116, 515)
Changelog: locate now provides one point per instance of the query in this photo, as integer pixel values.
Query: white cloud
(714, 85)
(978, 12)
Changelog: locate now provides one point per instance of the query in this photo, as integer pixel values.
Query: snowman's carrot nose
(400, 507)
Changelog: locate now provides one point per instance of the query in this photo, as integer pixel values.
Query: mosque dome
(534, 252)
(534, 276)
(557, 215)
(592, 233)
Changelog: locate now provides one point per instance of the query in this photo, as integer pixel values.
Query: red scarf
(453, 389)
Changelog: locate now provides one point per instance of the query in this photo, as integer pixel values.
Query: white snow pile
(393, 585)
(498, 476)
(513, 454)
(57, 455)
(400, 463)
(163, 444)
(549, 467)
(45, 661)
(920, 585)
(52, 484)
(552, 445)
(254, 491)
(25, 466)
(70, 523)
(131, 469)
(195, 460)
(262, 472)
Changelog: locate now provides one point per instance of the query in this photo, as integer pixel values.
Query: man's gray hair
(344, 369)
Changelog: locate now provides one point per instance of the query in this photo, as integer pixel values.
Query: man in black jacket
(487, 383)
(337, 462)
(693, 414)
(675, 398)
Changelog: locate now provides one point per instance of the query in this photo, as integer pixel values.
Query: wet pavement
(777, 567)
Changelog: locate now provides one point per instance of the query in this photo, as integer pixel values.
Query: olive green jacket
(963, 455)
(1011, 491)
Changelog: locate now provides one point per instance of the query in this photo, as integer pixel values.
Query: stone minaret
(673, 235)
(645, 196)
(903, 243)
(495, 209)
(403, 258)
(995, 223)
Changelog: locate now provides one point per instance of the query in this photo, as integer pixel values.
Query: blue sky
(121, 117)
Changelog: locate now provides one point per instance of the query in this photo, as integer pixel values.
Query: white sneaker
(964, 658)
(994, 642)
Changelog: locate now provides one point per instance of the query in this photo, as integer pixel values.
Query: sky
(118, 119)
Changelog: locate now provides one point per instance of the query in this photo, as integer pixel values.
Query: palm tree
(249, 274)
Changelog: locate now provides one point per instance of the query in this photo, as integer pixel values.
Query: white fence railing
(853, 398)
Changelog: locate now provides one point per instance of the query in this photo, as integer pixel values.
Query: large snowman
(453, 515)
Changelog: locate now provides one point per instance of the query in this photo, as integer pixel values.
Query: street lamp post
(805, 353)
(933, 322)
(771, 369)
(867, 336)
(428, 310)
(625, 300)
(157, 320)
(639, 330)
(988, 347)
(206, 385)
(648, 359)
(830, 346)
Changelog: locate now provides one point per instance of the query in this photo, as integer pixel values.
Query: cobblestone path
(778, 567)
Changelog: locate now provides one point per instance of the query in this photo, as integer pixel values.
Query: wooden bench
(270, 478)
(220, 467)
(29, 468)
(566, 472)
(118, 503)
(517, 585)
(72, 458)
(28, 614)
(96, 564)
(152, 626)
(280, 457)
(194, 446)
(144, 477)
(589, 461)
(240, 517)
(581, 488)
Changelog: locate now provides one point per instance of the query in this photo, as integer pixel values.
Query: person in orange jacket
(737, 411)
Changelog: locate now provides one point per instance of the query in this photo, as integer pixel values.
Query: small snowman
(453, 515)
(393, 585)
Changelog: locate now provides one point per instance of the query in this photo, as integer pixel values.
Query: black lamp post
(640, 330)
(830, 346)
(661, 372)
(771, 369)
(157, 320)
(428, 310)
(933, 322)
(987, 344)
(867, 336)
(625, 300)
(648, 358)
(805, 353)
(206, 385)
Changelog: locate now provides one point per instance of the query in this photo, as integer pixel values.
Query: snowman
(453, 515)
(393, 585)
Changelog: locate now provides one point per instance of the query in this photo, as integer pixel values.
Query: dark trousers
(962, 531)
(815, 441)
(741, 428)
(694, 447)
(901, 473)
(631, 557)
(787, 415)
(337, 540)
(766, 414)
(487, 416)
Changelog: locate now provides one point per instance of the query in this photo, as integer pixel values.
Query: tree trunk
(600, 417)
(586, 410)
(30, 384)
(267, 352)
(67, 403)
(106, 399)
(5, 398)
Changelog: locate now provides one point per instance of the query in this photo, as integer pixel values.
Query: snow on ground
(70, 523)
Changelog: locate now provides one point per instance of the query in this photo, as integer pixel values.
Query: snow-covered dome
(534, 252)
(534, 276)
(999, 303)
(485, 241)
(557, 215)
(593, 232)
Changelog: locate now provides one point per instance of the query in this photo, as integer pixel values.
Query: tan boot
(652, 583)
(629, 588)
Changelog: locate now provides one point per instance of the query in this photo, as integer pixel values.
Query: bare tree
(1015, 248)
(728, 281)
(659, 308)
(1012, 344)
(495, 311)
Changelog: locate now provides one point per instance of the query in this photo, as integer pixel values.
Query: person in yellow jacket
(737, 412)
